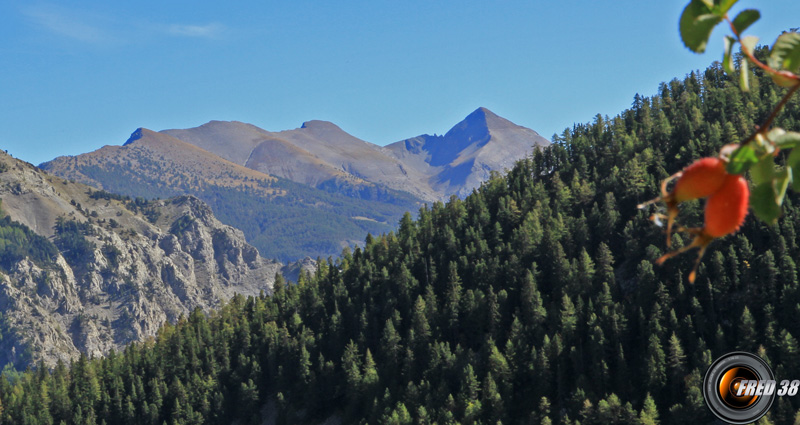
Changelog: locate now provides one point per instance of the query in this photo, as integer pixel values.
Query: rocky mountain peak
(477, 126)
(136, 135)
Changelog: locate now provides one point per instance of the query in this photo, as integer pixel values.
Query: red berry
(700, 179)
(726, 209)
(725, 212)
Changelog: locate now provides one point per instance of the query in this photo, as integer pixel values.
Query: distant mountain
(464, 157)
(89, 271)
(319, 153)
(308, 191)
(152, 164)
(283, 219)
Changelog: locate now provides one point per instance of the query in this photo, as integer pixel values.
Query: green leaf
(744, 19)
(787, 140)
(781, 79)
(793, 161)
(750, 43)
(744, 75)
(723, 6)
(786, 52)
(727, 61)
(697, 22)
(781, 182)
(767, 197)
(763, 171)
(741, 160)
(763, 202)
(775, 133)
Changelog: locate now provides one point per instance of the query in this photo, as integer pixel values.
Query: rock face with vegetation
(88, 271)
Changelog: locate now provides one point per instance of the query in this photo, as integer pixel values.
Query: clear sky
(77, 75)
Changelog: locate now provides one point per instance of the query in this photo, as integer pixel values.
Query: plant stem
(758, 63)
(766, 125)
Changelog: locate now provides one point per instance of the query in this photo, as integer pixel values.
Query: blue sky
(77, 75)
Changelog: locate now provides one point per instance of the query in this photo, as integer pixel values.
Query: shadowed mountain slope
(464, 157)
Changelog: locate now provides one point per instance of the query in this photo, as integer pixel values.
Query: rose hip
(699, 180)
(725, 212)
(726, 209)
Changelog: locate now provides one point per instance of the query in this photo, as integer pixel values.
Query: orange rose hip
(725, 212)
(726, 209)
(699, 180)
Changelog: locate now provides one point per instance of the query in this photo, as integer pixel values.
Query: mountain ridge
(264, 182)
(327, 151)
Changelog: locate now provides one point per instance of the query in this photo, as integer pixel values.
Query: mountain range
(310, 191)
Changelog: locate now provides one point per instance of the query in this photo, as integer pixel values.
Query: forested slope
(534, 300)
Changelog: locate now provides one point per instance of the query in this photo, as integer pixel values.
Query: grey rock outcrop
(150, 263)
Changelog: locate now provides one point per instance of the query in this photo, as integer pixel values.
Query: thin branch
(753, 59)
(778, 108)
(764, 127)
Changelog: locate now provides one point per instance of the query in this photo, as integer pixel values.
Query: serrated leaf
(727, 60)
(742, 159)
(697, 22)
(763, 202)
(786, 52)
(763, 171)
(744, 19)
(744, 76)
(787, 140)
(793, 161)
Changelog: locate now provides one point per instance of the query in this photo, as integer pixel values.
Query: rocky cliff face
(144, 263)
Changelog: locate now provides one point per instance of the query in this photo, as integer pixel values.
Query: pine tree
(649, 413)
(747, 331)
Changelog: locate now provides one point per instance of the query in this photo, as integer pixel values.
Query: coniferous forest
(535, 300)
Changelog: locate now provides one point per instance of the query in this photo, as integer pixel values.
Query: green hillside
(534, 300)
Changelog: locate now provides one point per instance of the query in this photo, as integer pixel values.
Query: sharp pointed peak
(482, 112)
(138, 134)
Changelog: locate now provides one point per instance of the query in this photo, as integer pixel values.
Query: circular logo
(727, 394)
